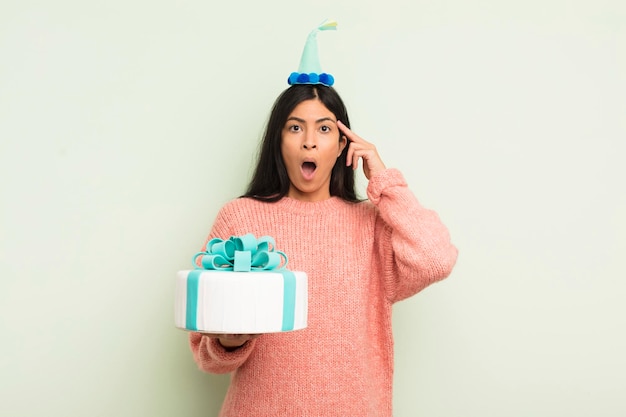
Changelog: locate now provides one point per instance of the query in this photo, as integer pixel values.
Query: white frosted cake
(240, 302)
(242, 287)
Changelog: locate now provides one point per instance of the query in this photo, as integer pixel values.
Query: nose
(309, 141)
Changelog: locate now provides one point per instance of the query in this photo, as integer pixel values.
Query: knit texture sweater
(360, 258)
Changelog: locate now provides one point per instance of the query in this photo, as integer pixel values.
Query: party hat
(310, 70)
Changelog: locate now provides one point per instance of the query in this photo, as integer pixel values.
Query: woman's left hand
(360, 148)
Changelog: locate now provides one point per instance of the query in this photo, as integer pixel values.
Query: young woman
(360, 258)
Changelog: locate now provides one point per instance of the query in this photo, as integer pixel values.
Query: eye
(294, 128)
(325, 129)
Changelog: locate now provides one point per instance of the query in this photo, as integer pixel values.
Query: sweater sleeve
(412, 241)
(209, 354)
(212, 357)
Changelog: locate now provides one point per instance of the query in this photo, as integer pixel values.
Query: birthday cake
(241, 286)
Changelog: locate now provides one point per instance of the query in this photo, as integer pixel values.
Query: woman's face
(311, 143)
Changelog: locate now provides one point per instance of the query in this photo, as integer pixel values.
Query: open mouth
(308, 169)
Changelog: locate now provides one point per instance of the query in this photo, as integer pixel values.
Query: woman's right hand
(231, 341)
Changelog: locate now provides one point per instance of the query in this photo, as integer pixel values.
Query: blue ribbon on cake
(242, 254)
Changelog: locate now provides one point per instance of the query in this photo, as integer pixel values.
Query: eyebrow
(323, 119)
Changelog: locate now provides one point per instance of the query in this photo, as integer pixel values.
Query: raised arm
(413, 243)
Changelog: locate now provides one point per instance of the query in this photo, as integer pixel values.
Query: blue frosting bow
(241, 254)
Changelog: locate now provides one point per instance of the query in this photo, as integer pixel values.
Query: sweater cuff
(390, 177)
(220, 354)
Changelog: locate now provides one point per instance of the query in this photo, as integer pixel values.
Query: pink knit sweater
(360, 259)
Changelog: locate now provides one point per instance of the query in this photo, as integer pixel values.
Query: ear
(343, 142)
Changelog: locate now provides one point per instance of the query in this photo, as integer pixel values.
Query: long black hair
(270, 181)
